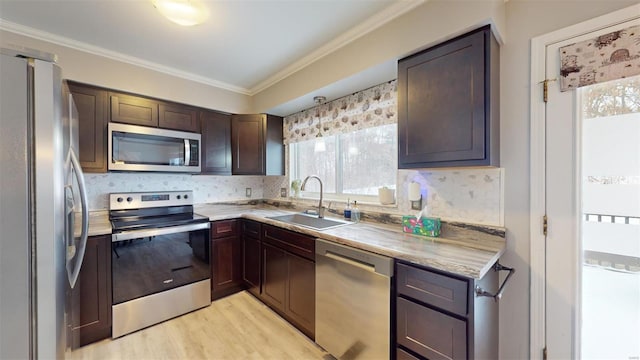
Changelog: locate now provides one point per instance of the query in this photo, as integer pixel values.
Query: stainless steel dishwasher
(353, 302)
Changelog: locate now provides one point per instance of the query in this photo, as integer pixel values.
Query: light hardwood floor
(236, 327)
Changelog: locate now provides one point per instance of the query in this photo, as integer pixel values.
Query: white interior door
(581, 152)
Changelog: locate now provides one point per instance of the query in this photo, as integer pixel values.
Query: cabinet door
(443, 107)
(178, 117)
(91, 297)
(430, 333)
(92, 126)
(226, 266)
(251, 263)
(216, 143)
(301, 293)
(274, 276)
(133, 110)
(248, 144)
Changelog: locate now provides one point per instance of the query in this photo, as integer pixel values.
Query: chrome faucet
(304, 183)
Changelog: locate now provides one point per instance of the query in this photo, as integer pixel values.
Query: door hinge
(544, 353)
(545, 89)
(545, 225)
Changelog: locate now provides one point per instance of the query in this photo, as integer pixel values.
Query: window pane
(321, 163)
(353, 163)
(369, 160)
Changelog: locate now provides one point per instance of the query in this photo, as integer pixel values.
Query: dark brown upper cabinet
(138, 110)
(216, 143)
(178, 117)
(133, 110)
(92, 106)
(256, 145)
(448, 104)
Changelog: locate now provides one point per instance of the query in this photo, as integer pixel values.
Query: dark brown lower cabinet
(226, 259)
(91, 297)
(301, 293)
(439, 316)
(251, 255)
(288, 276)
(274, 276)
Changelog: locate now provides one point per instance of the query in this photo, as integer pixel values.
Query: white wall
(101, 71)
(423, 26)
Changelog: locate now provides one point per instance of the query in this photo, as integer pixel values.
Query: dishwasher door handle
(352, 262)
(362, 259)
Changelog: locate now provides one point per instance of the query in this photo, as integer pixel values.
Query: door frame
(537, 165)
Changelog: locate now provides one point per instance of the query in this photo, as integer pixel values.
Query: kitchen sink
(310, 221)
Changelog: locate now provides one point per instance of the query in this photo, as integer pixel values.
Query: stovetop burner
(137, 211)
(138, 223)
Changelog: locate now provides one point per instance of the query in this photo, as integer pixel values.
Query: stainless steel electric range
(160, 258)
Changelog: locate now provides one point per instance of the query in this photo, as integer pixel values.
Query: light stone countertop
(463, 256)
(99, 223)
(471, 254)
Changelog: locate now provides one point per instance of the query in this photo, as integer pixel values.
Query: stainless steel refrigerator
(41, 197)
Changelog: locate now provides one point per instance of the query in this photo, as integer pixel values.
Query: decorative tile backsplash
(206, 189)
(469, 195)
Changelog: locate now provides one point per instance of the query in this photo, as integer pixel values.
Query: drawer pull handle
(497, 267)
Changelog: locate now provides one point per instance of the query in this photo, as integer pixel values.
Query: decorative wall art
(608, 57)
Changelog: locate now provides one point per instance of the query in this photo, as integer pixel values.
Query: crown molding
(117, 56)
(390, 13)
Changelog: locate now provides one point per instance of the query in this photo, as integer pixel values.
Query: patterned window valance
(372, 107)
(608, 57)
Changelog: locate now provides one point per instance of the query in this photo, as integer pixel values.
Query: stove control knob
(119, 199)
(178, 197)
(186, 196)
(129, 199)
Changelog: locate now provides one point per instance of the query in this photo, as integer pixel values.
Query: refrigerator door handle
(77, 170)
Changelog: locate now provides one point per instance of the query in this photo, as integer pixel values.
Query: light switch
(247, 192)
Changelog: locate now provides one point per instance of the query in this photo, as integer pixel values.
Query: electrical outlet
(247, 192)
(283, 192)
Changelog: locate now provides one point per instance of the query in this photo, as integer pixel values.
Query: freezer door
(15, 215)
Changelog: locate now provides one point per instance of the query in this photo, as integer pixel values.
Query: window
(352, 165)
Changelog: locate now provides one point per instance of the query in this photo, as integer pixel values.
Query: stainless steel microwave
(141, 148)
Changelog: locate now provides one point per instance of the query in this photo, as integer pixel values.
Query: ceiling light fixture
(182, 12)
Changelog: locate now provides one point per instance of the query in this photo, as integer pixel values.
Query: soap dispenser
(355, 212)
(347, 210)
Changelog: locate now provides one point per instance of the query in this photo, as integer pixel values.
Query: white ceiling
(245, 46)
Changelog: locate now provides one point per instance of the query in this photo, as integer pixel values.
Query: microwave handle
(187, 152)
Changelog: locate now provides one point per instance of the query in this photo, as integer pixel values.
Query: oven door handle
(136, 234)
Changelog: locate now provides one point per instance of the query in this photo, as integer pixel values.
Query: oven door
(146, 262)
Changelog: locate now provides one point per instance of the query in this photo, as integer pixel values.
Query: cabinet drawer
(430, 333)
(447, 293)
(290, 241)
(251, 228)
(224, 228)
